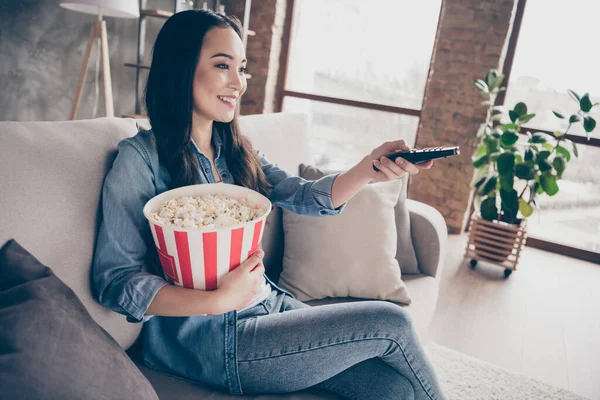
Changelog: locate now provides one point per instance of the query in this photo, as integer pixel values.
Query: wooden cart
(495, 242)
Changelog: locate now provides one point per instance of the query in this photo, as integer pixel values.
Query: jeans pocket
(260, 309)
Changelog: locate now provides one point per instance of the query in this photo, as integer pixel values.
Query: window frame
(532, 241)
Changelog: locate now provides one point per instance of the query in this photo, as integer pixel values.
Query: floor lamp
(101, 8)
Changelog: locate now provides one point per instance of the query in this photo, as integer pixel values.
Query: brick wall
(267, 18)
(471, 39)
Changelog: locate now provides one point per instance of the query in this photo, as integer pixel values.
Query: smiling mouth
(229, 101)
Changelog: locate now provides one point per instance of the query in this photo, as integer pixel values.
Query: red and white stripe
(200, 259)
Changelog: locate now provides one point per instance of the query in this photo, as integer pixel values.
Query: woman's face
(219, 80)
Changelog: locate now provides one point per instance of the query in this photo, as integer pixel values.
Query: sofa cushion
(405, 251)
(51, 348)
(350, 254)
(51, 174)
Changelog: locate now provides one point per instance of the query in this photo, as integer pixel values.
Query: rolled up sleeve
(298, 195)
(119, 271)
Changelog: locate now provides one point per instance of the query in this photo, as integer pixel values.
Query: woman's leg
(370, 379)
(296, 346)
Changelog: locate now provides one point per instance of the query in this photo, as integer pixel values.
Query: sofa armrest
(429, 235)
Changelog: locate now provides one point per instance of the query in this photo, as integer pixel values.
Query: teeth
(227, 99)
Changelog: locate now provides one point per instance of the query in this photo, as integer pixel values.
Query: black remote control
(416, 156)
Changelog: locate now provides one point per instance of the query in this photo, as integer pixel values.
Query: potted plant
(514, 166)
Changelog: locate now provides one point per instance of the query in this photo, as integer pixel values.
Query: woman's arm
(349, 183)
(297, 194)
(175, 301)
(352, 181)
(125, 253)
(236, 290)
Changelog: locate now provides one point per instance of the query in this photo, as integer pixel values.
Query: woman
(258, 339)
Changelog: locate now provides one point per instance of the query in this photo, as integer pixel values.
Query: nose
(237, 81)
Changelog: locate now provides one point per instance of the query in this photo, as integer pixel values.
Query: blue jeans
(362, 350)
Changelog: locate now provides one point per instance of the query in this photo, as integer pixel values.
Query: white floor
(542, 322)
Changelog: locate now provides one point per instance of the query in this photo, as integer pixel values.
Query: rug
(466, 378)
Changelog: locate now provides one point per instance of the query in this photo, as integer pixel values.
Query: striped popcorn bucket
(200, 258)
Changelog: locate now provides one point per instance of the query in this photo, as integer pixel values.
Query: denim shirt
(126, 271)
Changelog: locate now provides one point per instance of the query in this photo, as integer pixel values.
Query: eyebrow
(226, 56)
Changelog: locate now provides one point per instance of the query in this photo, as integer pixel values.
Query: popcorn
(207, 211)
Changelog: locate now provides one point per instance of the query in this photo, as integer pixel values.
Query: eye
(222, 66)
(243, 70)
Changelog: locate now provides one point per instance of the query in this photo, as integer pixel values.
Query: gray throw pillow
(405, 251)
(50, 347)
(347, 255)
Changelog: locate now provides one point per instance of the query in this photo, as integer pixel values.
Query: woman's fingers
(404, 165)
(390, 169)
(425, 165)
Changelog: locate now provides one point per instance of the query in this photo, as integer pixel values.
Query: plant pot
(496, 242)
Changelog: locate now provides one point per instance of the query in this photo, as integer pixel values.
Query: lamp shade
(108, 8)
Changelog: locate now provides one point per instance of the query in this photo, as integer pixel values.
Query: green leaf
(509, 138)
(542, 155)
(589, 124)
(518, 158)
(559, 115)
(509, 127)
(538, 137)
(548, 146)
(513, 116)
(493, 78)
(489, 186)
(575, 151)
(559, 165)
(520, 109)
(525, 208)
(481, 85)
(544, 165)
(491, 145)
(506, 163)
(510, 204)
(524, 171)
(480, 182)
(490, 77)
(528, 155)
(488, 209)
(549, 184)
(480, 150)
(481, 161)
(558, 134)
(507, 181)
(563, 152)
(526, 118)
(539, 189)
(574, 118)
(574, 95)
(585, 103)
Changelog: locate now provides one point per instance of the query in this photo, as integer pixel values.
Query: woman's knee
(392, 317)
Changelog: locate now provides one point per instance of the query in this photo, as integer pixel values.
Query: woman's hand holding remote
(390, 170)
(240, 286)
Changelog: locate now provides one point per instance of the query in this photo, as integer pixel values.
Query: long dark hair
(169, 103)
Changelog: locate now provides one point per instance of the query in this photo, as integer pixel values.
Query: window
(555, 52)
(376, 53)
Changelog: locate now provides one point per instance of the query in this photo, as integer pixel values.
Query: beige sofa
(51, 175)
